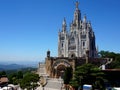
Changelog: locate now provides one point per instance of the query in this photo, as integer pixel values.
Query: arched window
(83, 43)
(72, 55)
(72, 40)
(62, 44)
(62, 55)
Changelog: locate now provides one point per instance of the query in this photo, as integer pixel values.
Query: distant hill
(11, 67)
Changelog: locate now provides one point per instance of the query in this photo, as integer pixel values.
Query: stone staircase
(54, 84)
(50, 83)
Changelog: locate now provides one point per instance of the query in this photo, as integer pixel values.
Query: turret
(48, 53)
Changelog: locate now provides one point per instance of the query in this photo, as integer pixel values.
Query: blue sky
(28, 28)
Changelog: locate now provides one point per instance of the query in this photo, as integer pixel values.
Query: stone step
(54, 84)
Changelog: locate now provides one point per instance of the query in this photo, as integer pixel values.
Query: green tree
(29, 81)
(2, 73)
(86, 74)
(107, 54)
(115, 64)
(67, 75)
(13, 78)
(19, 74)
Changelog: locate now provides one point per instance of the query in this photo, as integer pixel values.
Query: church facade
(75, 47)
(78, 39)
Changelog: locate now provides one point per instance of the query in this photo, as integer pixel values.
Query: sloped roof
(3, 80)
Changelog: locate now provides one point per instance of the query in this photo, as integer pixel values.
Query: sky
(29, 28)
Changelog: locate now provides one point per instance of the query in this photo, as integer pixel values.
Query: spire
(77, 4)
(89, 24)
(64, 25)
(64, 22)
(77, 14)
(85, 19)
(84, 22)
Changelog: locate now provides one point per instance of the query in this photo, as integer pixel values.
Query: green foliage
(74, 83)
(86, 74)
(2, 73)
(15, 78)
(106, 54)
(20, 75)
(24, 77)
(67, 75)
(115, 56)
(29, 81)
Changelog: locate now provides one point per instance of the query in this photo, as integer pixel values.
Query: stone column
(55, 72)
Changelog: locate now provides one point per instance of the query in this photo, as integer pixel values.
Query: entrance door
(60, 71)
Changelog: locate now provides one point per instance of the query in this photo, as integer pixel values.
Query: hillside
(11, 67)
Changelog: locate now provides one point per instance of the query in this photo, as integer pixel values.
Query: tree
(86, 74)
(2, 73)
(107, 54)
(67, 75)
(29, 81)
(115, 64)
(19, 74)
(15, 77)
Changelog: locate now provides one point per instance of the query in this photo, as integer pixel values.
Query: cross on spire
(77, 4)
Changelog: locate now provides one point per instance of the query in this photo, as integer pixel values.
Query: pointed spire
(64, 25)
(77, 4)
(85, 18)
(89, 24)
(77, 14)
(64, 22)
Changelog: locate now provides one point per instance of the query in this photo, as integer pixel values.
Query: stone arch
(59, 67)
(72, 55)
(61, 61)
(60, 70)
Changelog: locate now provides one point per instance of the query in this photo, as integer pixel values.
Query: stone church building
(78, 39)
(76, 46)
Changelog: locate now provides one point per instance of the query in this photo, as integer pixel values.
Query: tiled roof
(3, 80)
